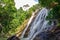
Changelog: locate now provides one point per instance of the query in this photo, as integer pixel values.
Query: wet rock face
(37, 38)
(48, 35)
(58, 36)
(57, 33)
(13, 38)
(26, 33)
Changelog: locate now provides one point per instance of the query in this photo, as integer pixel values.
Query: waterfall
(40, 24)
(29, 22)
(27, 25)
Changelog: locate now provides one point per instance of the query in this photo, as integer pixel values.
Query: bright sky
(20, 3)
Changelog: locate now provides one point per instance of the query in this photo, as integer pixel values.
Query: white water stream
(39, 25)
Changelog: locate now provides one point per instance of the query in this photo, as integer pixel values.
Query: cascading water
(39, 25)
(27, 26)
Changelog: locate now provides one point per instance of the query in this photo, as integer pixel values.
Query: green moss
(3, 38)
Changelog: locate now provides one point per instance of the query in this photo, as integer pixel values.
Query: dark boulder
(13, 38)
(0, 28)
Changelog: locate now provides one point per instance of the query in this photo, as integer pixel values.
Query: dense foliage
(54, 5)
(7, 9)
(10, 17)
(54, 13)
(47, 3)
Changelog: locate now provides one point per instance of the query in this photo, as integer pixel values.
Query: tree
(6, 13)
(47, 3)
